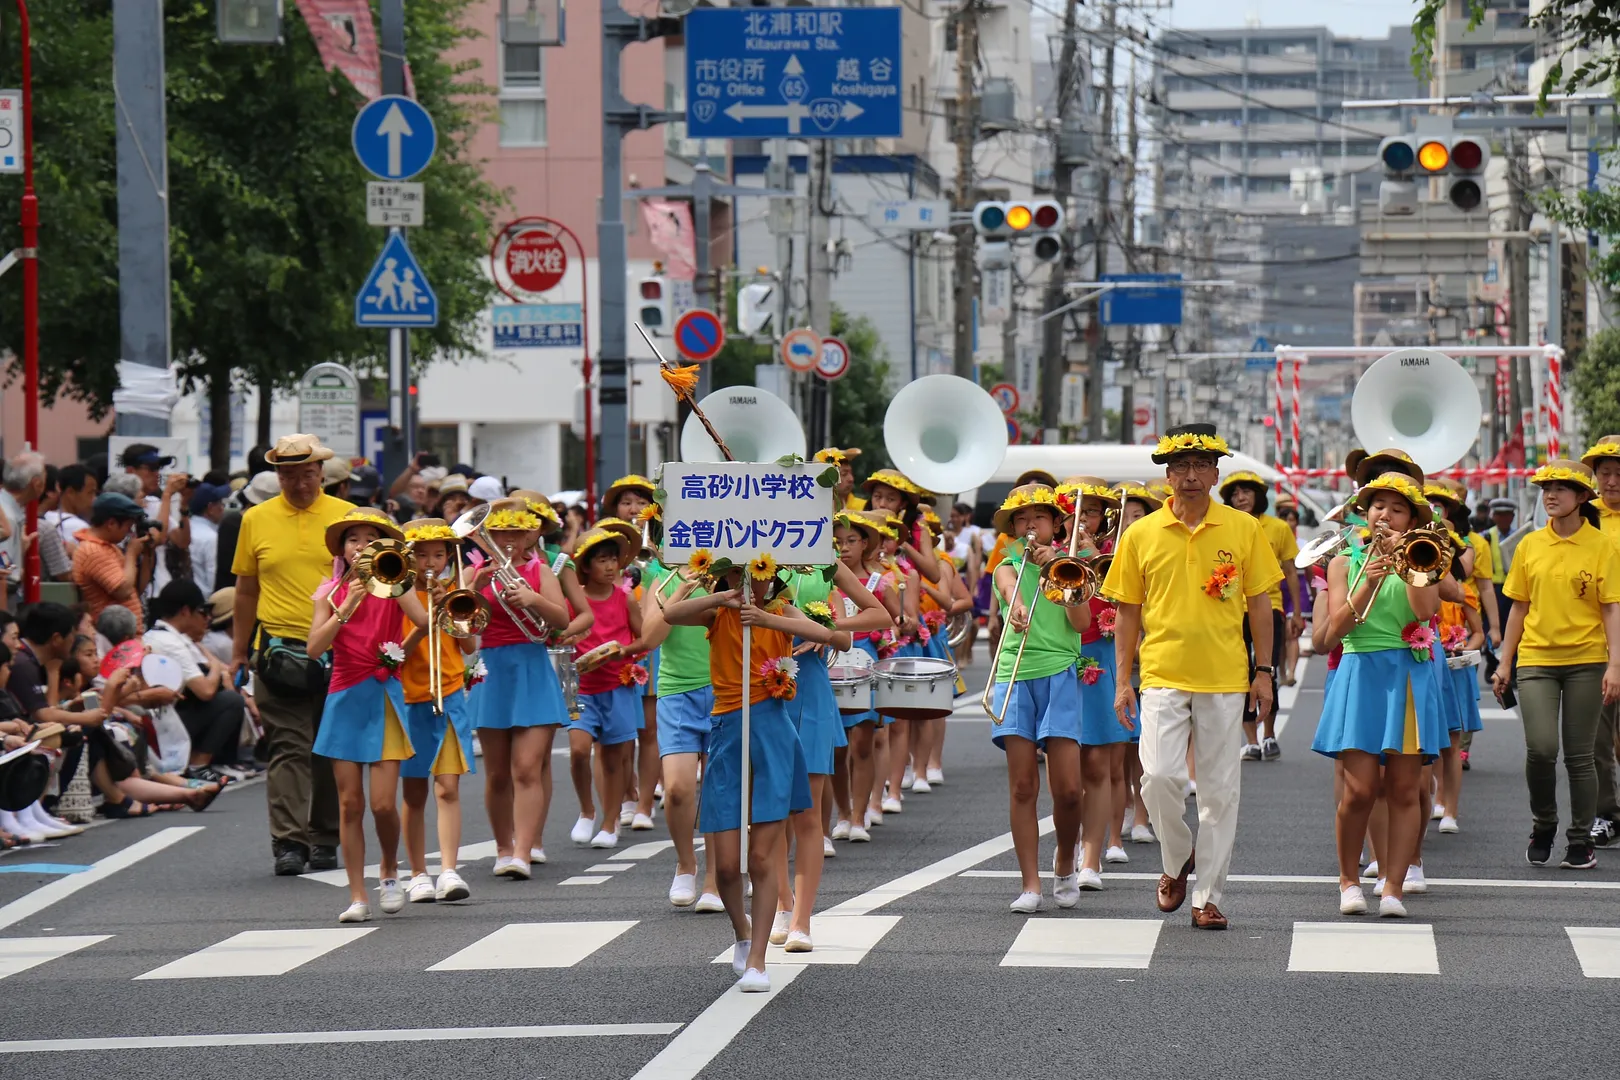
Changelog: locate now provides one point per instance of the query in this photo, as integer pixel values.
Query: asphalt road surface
(165, 947)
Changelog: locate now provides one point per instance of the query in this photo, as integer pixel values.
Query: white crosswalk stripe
(1085, 943)
(534, 945)
(258, 953)
(20, 954)
(1382, 948)
(1598, 950)
(838, 939)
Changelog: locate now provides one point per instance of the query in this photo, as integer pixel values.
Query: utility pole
(1069, 99)
(965, 135)
(1518, 257)
(819, 264)
(1133, 348)
(143, 196)
(1094, 378)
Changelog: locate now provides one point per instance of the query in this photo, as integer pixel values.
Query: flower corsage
(1454, 637)
(887, 644)
(778, 675)
(1419, 637)
(633, 675)
(390, 658)
(1107, 616)
(818, 612)
(1222, 584)
(1090, 670)
(933, 620)
(477, 674)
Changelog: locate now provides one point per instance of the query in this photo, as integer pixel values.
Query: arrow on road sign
(393, 128)
(394, 138)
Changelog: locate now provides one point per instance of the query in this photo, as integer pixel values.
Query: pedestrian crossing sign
(396, 292)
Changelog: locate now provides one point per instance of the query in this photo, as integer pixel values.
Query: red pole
(30, 261)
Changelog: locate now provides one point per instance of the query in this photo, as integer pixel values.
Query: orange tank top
(413, 674)
(725, 659)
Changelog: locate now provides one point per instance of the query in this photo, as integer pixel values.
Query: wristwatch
(1265, 669)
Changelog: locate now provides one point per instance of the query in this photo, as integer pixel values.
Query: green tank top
(550, 552)
(808, 587)
(683, 658)
(1391, 613)
(1053, 643)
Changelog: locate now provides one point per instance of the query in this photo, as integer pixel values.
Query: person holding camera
(280, 559)
(105, 568)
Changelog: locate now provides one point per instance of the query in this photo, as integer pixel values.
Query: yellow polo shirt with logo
(285, 548)
(1284, 546)
(1565, 580)
(1484, 564)
(1192, 641)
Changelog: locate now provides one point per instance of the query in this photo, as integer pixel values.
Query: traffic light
(1458, 160)
(653, 310)
(755, 307)
(1040, 219)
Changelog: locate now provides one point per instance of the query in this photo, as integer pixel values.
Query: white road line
(1598, 950)
(584, 879)
(296, 1038)
(932, 874)
(690, 1052)
(20, 954)
(1333, 879)
(43, 897)
(841, 940)
(259, 952)
(534, 945)
(1084, 943)
(607, 868)
(638, 852)
(1377, 948)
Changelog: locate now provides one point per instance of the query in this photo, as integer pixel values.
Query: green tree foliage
(859, 399)
(1596, 384)
(268, 233)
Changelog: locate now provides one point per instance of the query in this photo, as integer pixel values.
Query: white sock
(34, 814)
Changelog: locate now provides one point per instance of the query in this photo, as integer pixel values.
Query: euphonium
(471, 525)
(386, 568)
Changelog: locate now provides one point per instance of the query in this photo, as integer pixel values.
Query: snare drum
(1470, 658)
(562, 662)
(914, 687)
(852, 687)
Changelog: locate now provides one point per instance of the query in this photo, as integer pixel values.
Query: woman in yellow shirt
(1564, 635)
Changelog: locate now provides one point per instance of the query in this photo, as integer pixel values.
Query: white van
(1112, 462)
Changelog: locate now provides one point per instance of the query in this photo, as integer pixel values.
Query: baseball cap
(111, 506)
(334, 471)
(206, 495)
(364, 482)
(486, 489)
(263, 486)
(138, 455)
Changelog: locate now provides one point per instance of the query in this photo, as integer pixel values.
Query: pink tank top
(612, 624)
(355, 650)
(501, 630)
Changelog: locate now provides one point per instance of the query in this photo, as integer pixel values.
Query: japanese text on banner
(737, 510)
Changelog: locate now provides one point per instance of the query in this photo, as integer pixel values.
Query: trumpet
(471, 524)
(1420, 557)
(385, 568)
(995, 661)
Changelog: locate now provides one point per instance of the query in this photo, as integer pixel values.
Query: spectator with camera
(105, 573)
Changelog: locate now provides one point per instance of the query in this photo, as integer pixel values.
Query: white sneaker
(920, 786)
(605, 839)
(683, 890)
(907, 777)
(1090, 880)
(1371, 871)
(1066, 890)
(754, 982)
(1378, 889)
(1448, 824)
(1414, 881)
(779, 927)
(1116, 854)
(1142, 834)
(874, 819)
(748, 889)
(798, 941)
(708, 904)
(510, 866)
(1352, 901)
(420, 890)
(35, 815)
(1390, 907)
(739, 956)
(390, 897)
(627, 812)
(359, 911)
(451, 887)
(858, 835)
(641, 823)
(1027, 903)
(891, 805)
(537, 856)
(936, 776)
(827, 849)
(583, 830)
(1437, 813)
(840, 829)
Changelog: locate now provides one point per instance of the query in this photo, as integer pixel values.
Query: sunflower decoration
(682, 380)
(818, 612)
(701, 563)
(1191, 441)
(650, 512)
(762, 567)
(1558, 473)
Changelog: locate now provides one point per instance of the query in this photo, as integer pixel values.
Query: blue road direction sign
(396, 293)
(804, 72)
(394, 138)
(539, 326)
(1149, 303)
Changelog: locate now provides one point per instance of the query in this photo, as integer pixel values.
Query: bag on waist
(286, 665)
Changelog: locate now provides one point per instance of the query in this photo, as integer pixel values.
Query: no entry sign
(699, 334)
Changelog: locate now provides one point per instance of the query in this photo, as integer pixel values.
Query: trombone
(1069, 579)
(1420, 557)
(471, 524)
(462, 614)
(1001, 643)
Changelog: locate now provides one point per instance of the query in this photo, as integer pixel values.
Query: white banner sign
(737, 510)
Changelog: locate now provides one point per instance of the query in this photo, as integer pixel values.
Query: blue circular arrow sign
(394, 138)
(699, 334)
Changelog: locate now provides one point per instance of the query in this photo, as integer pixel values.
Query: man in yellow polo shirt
(1189, 572)
(1247, 491)
(1604, 460)
(280, 558)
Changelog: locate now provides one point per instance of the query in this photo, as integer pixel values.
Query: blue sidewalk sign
(1147, 304)
(539, 326)
(396, 293)
(804, 72)
(394, 138)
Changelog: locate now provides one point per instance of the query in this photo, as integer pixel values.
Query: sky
(1351, 18)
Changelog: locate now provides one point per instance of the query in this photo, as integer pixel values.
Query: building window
(523, 85)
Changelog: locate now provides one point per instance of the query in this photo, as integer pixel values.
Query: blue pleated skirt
(781, 783)
(1099, 723)
(428, 733)
(521, 689)
(354, 722)
(1465, 687)
(1383, 702)
(814, 712)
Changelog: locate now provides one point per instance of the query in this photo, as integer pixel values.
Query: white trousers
(1215, 722)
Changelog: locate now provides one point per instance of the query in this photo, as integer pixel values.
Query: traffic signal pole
(30, 260)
